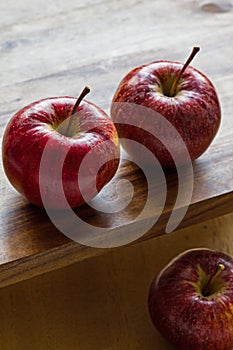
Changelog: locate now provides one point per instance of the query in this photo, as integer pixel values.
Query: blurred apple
(191, 301)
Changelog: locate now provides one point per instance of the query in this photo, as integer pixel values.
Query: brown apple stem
(218, 270)
(85, 91)
(176, 81)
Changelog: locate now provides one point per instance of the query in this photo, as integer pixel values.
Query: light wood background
(80, 299)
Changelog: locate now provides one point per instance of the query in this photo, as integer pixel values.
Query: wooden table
(55, 48)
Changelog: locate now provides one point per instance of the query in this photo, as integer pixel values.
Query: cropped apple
(191, 301)
(68, 128)
(182, 95)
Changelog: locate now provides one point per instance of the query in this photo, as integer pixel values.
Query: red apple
(64, 130)
(179, 93)
(191, 301)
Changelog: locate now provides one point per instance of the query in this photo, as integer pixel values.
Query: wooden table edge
(72, 252)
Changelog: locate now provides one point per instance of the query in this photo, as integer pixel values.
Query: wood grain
(56, 49)
(100, 303)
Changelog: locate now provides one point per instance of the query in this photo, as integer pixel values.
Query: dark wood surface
(56, 49)
(100, 303)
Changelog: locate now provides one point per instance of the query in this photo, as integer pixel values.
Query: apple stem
(218, 270)
(85, 91)
(176, 81)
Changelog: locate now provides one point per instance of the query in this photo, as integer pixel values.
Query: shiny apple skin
(182, 314)
(194, 111)
(27, 134)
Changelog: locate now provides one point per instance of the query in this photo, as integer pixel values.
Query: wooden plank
(100, 303)
(37, 246)
(56, 50)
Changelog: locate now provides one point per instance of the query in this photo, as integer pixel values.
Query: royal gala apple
(182, 95)
(191, 301)
(65, 130)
